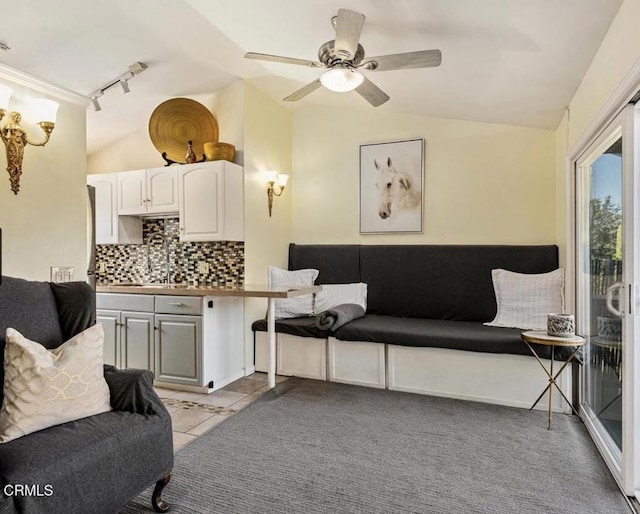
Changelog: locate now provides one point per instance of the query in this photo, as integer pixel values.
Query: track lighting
(96, 104)
(135, 69)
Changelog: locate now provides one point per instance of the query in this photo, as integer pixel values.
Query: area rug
(319, 447)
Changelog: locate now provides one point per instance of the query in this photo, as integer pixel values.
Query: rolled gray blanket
(333, 319)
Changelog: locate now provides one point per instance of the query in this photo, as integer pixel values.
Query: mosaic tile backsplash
(148, 262)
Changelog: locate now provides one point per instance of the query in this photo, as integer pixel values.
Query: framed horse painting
(392, 187)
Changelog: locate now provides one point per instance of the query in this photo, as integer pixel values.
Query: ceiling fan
(343, 57)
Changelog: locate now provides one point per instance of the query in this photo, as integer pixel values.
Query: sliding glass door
(605, 269)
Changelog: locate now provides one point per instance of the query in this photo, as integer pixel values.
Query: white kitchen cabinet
(211, 201)
(162, 190)
(190, 341)
(152, 191)
(110, 228)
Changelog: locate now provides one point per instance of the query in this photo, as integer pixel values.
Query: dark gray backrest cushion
(424, 281)
(30, 308)
(444, 281)
(338, 264)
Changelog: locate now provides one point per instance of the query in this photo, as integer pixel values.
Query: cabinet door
(179, 349)
(201, 199)
(132, 192)
(111, 325)
(162, 190)
(137, 340)
(106, 207)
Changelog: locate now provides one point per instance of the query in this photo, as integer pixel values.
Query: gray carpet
(320, 447)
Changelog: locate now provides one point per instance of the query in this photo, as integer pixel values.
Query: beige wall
(46, 223)
(136, 151)
(617, 54)
(267, 146)
(485, 183)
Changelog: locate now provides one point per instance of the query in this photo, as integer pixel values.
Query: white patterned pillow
(333, 295)
(298, 305)
(43, 388)
(524, 300)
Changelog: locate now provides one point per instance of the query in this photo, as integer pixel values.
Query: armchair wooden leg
(159, 505)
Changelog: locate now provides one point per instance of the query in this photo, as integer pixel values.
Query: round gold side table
(541, 337)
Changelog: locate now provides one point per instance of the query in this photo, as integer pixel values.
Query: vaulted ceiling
(515, 62)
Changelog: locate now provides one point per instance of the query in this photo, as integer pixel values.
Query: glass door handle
(620, 287)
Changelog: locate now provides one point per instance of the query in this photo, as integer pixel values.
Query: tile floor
(195, 413)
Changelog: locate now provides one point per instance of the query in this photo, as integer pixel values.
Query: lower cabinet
(178, 349)
(129, 338)
(185, 340)
(111, 321)
(136, 340)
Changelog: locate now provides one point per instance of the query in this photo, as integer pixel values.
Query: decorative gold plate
(179, 120)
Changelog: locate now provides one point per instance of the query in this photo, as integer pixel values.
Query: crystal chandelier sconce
(14, 136)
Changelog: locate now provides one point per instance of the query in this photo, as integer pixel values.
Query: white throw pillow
(43, 388)
(337, 294)
(298, 305)
(524, 300)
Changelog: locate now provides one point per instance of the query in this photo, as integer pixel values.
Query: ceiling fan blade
(372, 93)
(348, 29)
(302, 92)
(404, 61)
(286, 60)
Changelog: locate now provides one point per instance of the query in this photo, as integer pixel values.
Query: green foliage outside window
(605, 229)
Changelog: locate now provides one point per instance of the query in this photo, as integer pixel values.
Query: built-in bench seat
(423, 330)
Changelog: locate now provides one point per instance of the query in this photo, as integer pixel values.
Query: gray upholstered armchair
(94, 464)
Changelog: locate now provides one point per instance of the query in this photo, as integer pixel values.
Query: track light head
(137, 67)
(96, 104)
(124, 84)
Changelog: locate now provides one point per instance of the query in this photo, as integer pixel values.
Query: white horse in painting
(396, 190)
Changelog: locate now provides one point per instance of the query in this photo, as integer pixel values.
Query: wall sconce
(14, 136)
(275, 179)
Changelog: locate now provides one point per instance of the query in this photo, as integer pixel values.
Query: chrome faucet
(160, 235)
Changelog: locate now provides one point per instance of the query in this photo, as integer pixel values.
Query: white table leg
(271, 328)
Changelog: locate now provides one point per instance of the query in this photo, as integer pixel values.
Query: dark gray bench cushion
(302, 327)
(456, 335)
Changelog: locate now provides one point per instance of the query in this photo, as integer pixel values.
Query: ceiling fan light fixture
(341, 79)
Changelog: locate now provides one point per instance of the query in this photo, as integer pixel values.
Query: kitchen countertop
(254, 291)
